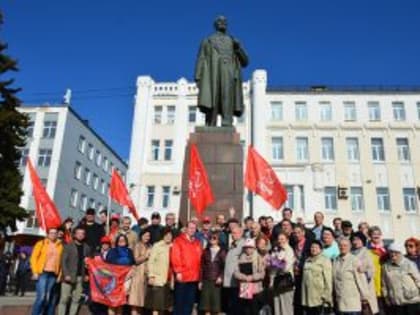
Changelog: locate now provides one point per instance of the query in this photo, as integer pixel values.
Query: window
(410, 200)
(302, 153)
(103, 187)
(44, 182)
(44, 157)
(398, 110)
(88, 176)
(98, 158)
(277, 148)
(325, 111)
(157, 115)
(92, 203)
(403, 149)
(83, 203)
(91, 152)
(95, 182)
(78, 170)
(166, 190)
(382, 197)
(23, 157)
(170, 115)
(418, 110)
(350, 111)
(150, 197)
(374, 111)
(105, 164)
(330, 198)
(32, 222)
(155, 150)
(74, 195)
(327, 145)
(352, 145)
(168, 150)
(50, 128)
(30, 128)
(192, 114)
(82, 144)
(290, 197)
(111, 168)
(301, 111)
(378, 153)
(276, 111)
(356, 199)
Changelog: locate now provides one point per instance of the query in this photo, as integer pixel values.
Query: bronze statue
(218, 75)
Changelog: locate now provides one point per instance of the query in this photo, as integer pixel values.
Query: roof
(356, 89)
(85, 123)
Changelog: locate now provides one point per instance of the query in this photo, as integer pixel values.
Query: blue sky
(98, 48)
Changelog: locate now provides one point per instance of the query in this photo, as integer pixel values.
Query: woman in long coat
(137, 290)
(365, 267)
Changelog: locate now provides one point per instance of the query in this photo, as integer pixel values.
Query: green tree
(12, 138)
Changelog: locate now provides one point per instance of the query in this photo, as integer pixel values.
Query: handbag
(366, 309)
(283, 282)
(247, 290)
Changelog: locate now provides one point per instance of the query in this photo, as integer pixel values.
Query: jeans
(185, 296)
(70, 292)
(44, 286)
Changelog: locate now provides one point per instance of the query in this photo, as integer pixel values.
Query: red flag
(261, 179)
(119, 193)
(107, 282)
(199, 190)
(45, 209)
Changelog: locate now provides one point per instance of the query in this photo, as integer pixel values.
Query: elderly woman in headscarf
(401, 283)
(365, 267)
(412, 247)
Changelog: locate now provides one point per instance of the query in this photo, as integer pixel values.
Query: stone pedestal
(222, 154)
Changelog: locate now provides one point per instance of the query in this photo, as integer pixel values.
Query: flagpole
(188, 211)
(108, 209)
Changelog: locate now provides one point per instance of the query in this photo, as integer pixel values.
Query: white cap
(250, 242)
(396, 247)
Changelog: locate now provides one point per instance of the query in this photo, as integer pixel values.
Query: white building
(351, 152)
(72, 160)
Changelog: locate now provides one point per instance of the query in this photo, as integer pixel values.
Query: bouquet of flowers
(277, 261)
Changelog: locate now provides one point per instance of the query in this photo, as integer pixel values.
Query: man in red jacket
(186, 260)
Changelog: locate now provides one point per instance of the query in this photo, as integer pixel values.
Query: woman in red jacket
(186, 254)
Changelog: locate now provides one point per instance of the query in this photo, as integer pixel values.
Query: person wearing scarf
(412, 247)
(365, 267)
(122, 255)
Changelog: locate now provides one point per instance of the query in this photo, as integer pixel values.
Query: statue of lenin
(218, 76)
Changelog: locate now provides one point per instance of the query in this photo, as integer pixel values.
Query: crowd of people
(250, 267)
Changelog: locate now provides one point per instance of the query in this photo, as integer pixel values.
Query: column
(141, 121)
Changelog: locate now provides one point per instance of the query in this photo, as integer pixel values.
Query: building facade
(72, 160)
(352, 153)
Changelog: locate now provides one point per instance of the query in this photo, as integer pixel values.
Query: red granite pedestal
(222, 154)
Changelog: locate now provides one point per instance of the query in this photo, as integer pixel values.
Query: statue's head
(220, 23)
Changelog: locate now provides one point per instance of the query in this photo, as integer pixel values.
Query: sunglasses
(410, 245)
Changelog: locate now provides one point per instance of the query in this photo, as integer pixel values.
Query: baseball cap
(206, 219)
(90, 211)
(250, 242)
(396, 247)
(155, 215)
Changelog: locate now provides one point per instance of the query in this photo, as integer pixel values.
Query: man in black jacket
(94, 231)
(74, 272)
(155, 229)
